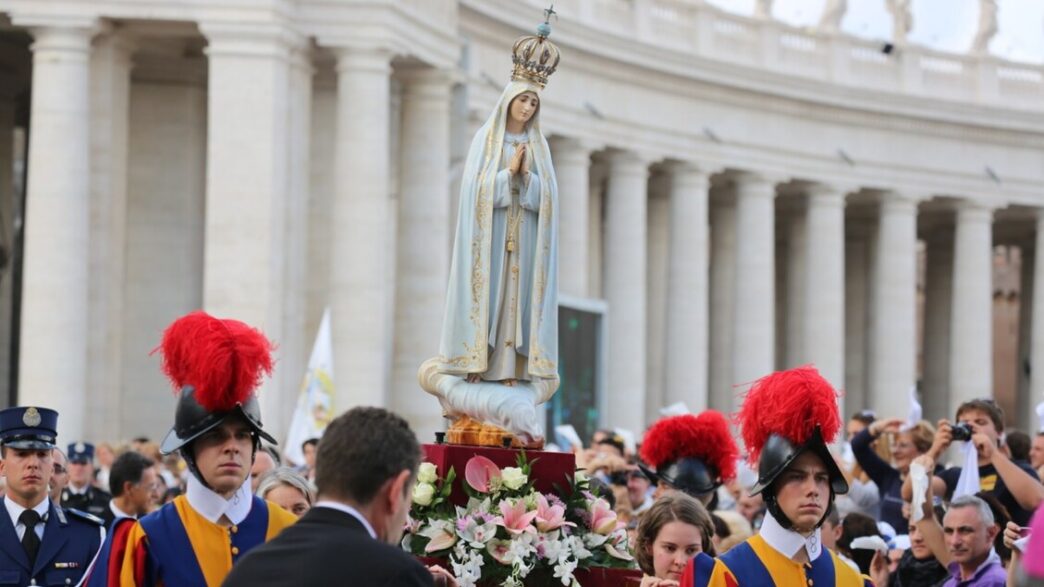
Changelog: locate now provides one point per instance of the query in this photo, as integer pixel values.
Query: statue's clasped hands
(518, 162)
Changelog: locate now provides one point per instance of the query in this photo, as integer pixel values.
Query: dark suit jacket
(69, 544)
(328, 547)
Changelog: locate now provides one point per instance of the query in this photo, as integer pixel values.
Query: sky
(947, 25)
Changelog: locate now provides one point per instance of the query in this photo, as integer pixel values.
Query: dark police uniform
(93, 500)
(70, 538)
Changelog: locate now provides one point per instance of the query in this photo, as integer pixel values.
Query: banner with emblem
(315, 406)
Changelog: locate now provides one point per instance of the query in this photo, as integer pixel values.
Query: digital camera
(961, 431)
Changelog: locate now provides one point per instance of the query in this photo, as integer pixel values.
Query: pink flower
(515, 518)
(479, 471)
(549, 517)
(603, 518)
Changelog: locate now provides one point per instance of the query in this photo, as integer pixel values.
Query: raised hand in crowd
(891, 426)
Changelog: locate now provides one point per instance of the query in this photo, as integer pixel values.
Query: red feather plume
(790, 404)
(705, 437)
(224, 360)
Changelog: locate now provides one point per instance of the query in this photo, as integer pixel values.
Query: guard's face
(80, 473)
(804, 490)
(28, 473)
(223, 455)
(523, 107)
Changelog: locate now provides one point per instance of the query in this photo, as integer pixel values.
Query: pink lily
(549, 517)
(603, 518)
(515, 518)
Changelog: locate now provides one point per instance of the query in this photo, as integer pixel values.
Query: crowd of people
(814, 500)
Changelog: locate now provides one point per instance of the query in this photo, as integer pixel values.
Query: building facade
(743, 195)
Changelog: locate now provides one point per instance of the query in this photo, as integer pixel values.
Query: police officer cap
(28, 427)
(81, 452)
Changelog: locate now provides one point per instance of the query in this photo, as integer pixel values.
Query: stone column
(1026, 400)
(687, 287)
(625, 285)
(971, 340)
(247, 186)
(53, 353)
(823, 325)
(938, 304)
(754, 334)
(572, 158)
(109, 120)
(1037, 327)
(858, 244)
(424, 223)
(358, 289)
(893, 344)
(296, 342)
(722, 299)
(8, 86)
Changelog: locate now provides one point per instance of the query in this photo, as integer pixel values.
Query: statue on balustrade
(902, 19)
(833, 13)
(499, 346)
(987, 27)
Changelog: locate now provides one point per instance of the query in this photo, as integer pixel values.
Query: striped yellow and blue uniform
(177, 547)
(754, 563)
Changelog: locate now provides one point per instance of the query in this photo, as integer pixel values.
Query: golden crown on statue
(534, 57)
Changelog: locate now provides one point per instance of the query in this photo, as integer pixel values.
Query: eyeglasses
(59, 470)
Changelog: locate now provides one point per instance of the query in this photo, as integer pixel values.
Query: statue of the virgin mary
(500, 330)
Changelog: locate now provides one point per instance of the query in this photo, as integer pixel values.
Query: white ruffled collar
(212, 506)
(789, 542)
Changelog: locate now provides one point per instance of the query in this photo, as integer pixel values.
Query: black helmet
(691, 453)
(191, 420)
(217, 366)
(778, 453)
(784, 415)
(688, 474)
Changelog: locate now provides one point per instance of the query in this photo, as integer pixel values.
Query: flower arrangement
(509, 533)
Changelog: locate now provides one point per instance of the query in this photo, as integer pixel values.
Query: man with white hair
(969, 532)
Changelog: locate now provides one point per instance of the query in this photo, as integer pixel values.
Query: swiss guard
(41, 543)
(194, 540)
(689, 453)
(787, 420)
(81, 494)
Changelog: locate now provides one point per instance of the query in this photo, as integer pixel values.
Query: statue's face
(523, 107)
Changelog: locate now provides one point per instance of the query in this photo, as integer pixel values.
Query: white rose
(513, 477)
(580, 476)
(427, 473)
(423, 494)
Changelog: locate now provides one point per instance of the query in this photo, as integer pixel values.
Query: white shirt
(789, 542)
(77, 491)
(117, 511)
(15, 511)
(336, 505)
(212, 506)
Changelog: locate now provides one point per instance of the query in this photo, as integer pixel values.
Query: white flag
(315, 406)
(914, 415)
